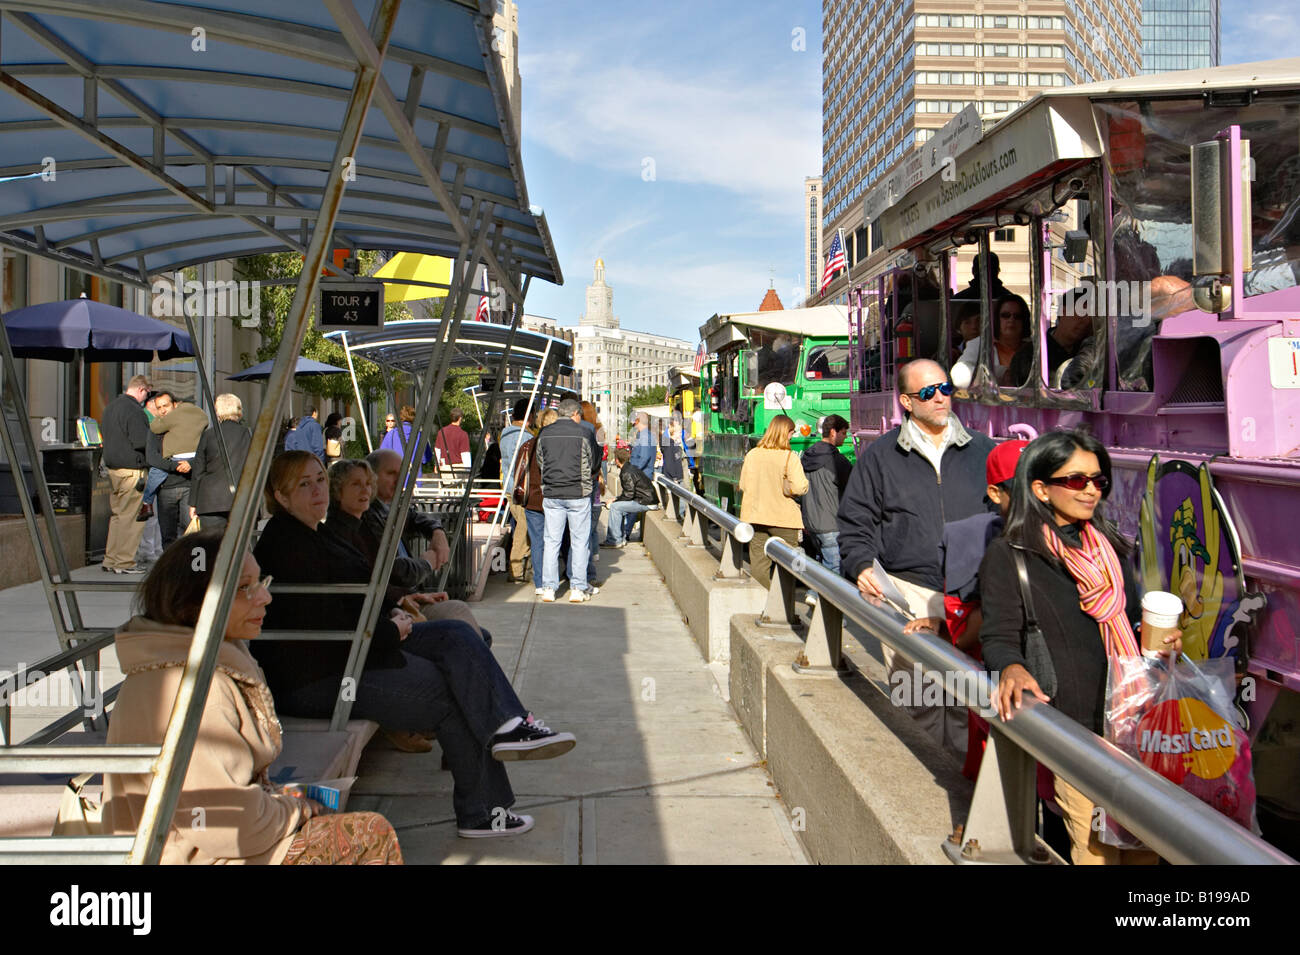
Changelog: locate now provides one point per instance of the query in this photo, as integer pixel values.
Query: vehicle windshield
(1151, 221)
(770, 357)
(827, 362)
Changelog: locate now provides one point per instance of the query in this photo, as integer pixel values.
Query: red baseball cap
(1001, 464)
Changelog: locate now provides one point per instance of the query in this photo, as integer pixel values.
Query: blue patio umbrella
(306, 366)
(93, 331)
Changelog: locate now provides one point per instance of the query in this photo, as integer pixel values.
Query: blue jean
(830, 545)
(576, 513)
(151, 484)
(536, 542)
(593, 545)
(621, 514)
(451, 684)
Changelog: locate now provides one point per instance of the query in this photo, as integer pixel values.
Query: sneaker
(533, 740)
(123, 570)
(620, 544)
(548, 595)
(580, 596)
(507, 825)
(609, 543)
(537, 591)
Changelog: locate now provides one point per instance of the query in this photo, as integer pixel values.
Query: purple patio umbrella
(90, 330)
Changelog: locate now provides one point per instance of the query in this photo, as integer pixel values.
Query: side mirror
(1075, 249)
(1213, 227)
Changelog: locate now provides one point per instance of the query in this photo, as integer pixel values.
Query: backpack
(520, 479)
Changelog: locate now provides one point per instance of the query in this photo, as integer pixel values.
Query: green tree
(275, 301)
(649, 395)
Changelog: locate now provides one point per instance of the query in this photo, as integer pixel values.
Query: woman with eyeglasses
(1084, 596)
(1010, 332)
(228, 810)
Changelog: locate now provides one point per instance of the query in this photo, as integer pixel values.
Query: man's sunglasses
(1077, 482)
(927, 393)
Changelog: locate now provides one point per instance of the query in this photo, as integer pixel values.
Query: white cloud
(754, 134)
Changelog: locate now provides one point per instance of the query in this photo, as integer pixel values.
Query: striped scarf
(1096, 570)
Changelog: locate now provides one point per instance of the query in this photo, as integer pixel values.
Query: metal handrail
(695, 512)
(1168, 819)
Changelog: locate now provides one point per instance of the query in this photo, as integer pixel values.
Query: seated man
(1065, 341)
(636, 495)
(385, 465)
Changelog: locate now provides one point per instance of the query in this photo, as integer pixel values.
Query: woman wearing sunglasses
(1083, 594)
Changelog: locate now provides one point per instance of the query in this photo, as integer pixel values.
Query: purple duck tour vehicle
(1133, 248)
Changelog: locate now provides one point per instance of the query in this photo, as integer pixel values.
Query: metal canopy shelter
(404, 346)
(144, 136)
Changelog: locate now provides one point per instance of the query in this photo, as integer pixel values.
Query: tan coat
(760, 483)
(242, 820)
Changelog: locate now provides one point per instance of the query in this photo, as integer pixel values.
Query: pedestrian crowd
(429, 671)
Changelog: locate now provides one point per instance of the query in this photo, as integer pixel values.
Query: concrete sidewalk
(662, 773)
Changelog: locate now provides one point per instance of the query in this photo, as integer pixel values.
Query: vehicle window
(770, 356)
(827, 361)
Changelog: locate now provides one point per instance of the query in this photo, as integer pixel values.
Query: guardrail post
(732, 563)
(1000, 828)
(780, 599)
(822, 649)
(692, 525)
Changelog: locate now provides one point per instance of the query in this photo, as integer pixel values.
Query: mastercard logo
(1186, 737)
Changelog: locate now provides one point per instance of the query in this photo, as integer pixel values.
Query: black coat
(828, 474)
(1072, 637)
(124, 429)
(895, 505)
(408, 573)
(209, 483)
(635, 486)
(296, 554)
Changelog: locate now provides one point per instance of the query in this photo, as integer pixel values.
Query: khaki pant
(450, 610)
(946, 725)
(1085, 848)
(124, 531)
(518, 542)
(760, 565)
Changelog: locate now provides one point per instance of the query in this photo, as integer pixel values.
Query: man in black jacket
(905, 486)
(569, 460)
(637, 495)
(125, 430)
(210, 495)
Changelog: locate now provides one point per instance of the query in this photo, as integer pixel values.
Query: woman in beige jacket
(228, 811)
(764, 502)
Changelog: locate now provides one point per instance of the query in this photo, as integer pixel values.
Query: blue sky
(672, 139)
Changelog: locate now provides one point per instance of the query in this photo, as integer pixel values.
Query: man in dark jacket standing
(637, 494)
(569, 460)
(828, 475)
(210, 495)
(125, 431)
(905, 486)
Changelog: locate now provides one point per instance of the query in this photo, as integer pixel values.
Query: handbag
(786, 487)
(519, 493)
(79, 815)
(1037, 656)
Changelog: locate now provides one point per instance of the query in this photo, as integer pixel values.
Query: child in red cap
(961, 553)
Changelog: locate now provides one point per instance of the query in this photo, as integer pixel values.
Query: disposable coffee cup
(1160, 613)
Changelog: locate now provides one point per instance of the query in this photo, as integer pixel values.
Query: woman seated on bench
(418, 676)
(228, 812)
(352, 488)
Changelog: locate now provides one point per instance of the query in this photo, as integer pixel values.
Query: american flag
(699, 358)
(482, 314)
(834, 262)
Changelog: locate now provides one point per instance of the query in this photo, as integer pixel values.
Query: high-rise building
(894, 72)
(1179, 35)
(812, 240)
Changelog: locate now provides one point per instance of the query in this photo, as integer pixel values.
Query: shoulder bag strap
(1022, 572)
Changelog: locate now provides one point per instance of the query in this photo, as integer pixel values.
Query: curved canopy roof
(142, 136)
(410, 346)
